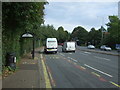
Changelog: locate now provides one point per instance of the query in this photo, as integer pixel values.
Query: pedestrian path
(28, 74)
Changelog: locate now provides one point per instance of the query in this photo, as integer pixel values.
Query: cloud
(85, 14)
(83, 0)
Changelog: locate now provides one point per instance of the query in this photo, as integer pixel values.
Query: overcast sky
(85, 14)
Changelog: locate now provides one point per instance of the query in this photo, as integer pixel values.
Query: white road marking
(87, 52)
(68, 57)
(41, 56)
(102, 58)
(98, 70)
(74, 60)
(62, 54)
(84, 54)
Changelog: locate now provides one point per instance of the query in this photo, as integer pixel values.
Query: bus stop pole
(33, 52)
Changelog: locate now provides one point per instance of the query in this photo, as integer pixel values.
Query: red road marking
(102, 79)
(77, 66)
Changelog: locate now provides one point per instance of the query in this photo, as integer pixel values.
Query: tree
(79, 33)
(19, 17)
(114, 31)
(94, 36)
(62, 35)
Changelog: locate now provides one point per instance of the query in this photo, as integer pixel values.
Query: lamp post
(102, 35)
(102, 18)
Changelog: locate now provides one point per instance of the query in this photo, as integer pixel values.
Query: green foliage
(48, 31)
(62, 35)
(94, 36)
(113, 36)
(11, 69)
(79, 33)
(18, 18)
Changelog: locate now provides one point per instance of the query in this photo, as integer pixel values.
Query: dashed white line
(102, 58)
(87, 52)
(68, 57)
(62, 54)
(74, 60)
(41, 56)
(84, 54)
(98, 70)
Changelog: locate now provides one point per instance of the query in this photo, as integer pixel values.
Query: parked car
(106, 48)
(91, 47)
(118, 47)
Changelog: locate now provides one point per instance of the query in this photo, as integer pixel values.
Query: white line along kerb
(98, 70)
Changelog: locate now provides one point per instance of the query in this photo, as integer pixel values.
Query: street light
(102, 35)
(102, 18)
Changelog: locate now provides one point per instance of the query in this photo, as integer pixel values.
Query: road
(82, 69)
(112, 52)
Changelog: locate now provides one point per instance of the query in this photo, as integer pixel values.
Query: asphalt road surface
(99, 50)
(82, 69)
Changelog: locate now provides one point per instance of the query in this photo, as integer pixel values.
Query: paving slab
(28, 75)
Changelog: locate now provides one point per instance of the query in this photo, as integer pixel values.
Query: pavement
(28, 75)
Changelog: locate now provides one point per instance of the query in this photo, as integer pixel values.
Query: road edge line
(47, 80)
(114, 84)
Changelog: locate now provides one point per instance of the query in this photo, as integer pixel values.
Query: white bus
(69, 46)
(51, 45)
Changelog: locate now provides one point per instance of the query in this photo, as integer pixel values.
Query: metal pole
(102, 35)
(33, 52)
(102, 31)
(102, 18)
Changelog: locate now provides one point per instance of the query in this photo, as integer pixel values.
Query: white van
(69, 46)
(51, 45)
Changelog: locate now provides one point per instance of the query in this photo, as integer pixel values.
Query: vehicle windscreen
(72, 45)
(51, 44)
